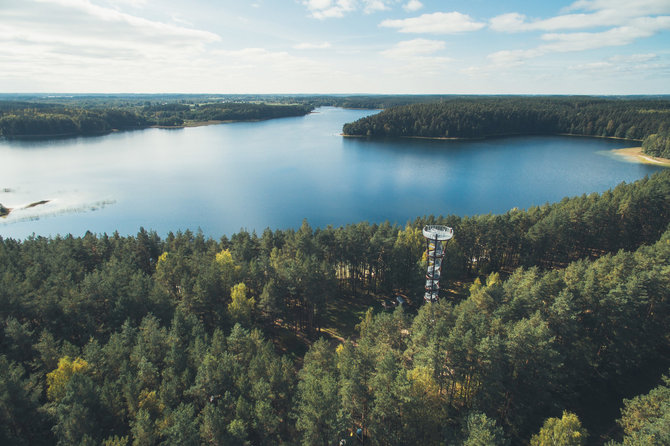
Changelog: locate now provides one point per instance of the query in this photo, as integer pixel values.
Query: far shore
(635, 154)
(214, 122)
(501, 135)
(191, 124)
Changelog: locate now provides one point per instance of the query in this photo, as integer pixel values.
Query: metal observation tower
(435, 236)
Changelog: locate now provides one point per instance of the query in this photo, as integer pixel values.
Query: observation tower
(436, 238)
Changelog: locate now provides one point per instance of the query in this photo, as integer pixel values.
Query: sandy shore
(635, 154)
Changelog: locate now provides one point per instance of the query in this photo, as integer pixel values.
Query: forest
(29, 115)
(489, 116)
(553, 328)
(658, 144)
(99, 116)
(646, 119)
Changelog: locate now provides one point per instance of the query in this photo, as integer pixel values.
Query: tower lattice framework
(436, 238)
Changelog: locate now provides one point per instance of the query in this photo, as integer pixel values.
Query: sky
(601, 47)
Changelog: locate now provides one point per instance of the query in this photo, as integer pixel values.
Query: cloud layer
(326, 46)
(435, 23)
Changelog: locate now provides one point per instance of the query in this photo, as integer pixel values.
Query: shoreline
(478, 138)
(189, 124)
(635, 154)
(5, 211)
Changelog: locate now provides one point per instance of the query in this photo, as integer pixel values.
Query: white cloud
(413, 48)
(82, 16)
(75, 45)
(312, 46)
(81, 45)
(582, 41)
(629, 63)
(412, 6)
(178, 19)
(624, 21)
(508, 58)
(637, 7)
(436, 23)
(633, 58)
(324, 9)
(371, 6)
(598, 13)
(133, 3)
(510, 22)
(593, 66)
(638, 28)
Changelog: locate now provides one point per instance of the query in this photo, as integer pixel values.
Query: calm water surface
(275, 173)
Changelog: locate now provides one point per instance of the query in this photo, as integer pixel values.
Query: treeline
(377, 101)
(658, 144)
(176, 114)
(498, 116)
(47, 119)
(142, 340)
(29, 120)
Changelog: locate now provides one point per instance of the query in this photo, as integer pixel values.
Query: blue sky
(335, 46)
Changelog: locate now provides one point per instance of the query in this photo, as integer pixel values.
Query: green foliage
(476, 117)
(480, 430)
(645, 419)
(42, 119)
(657, 144)
(240, 307)
(317, 402)
(567, 299)
(564, 431)
(79, 414)
(182, 427)
(21, 423)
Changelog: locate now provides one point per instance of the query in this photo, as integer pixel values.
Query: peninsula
(634, 119)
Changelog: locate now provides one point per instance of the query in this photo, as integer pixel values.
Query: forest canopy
(20, 119)
(488, 116)
(553, 322)
(432, 116)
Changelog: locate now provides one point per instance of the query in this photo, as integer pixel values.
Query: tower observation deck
(436, 236)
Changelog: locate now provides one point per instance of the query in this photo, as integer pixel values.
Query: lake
(222, 178)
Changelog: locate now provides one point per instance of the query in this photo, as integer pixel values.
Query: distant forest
(478, 117)
(553, 328)
(94, 117)
(646, 119)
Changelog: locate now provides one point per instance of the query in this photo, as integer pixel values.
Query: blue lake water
(274, 173)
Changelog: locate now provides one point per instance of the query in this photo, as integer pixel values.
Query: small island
(4, 211)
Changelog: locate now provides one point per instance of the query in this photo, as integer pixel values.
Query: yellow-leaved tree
(240, 307)
(57, 379)
(564, 431)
